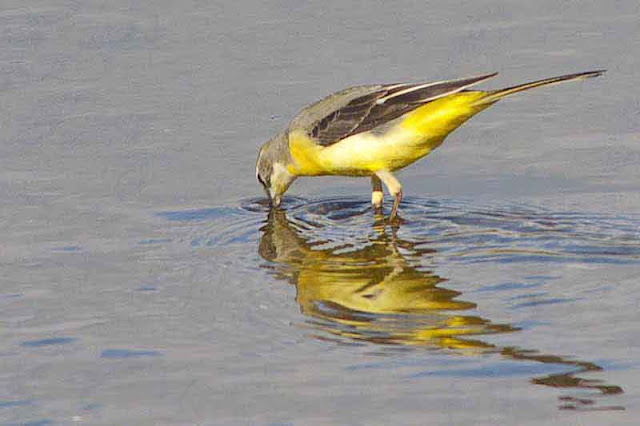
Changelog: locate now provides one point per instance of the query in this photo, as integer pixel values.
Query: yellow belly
(412, 136)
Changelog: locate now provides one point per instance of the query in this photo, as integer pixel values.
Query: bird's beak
(276, 199)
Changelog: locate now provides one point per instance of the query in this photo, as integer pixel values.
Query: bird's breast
(359, 155)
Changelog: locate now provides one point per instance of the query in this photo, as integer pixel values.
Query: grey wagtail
(375, 130)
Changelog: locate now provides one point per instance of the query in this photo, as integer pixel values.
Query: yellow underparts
(413, 136)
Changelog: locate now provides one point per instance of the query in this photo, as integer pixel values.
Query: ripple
(462, 232)
(452, 230)
(48, 342)
(127, 353)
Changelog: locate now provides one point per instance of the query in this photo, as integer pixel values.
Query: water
(145, 283)
(360, 280)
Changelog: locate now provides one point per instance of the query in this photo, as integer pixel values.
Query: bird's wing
(361, 109)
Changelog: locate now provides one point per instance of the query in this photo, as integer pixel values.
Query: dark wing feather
(344, 121)
(389, 102)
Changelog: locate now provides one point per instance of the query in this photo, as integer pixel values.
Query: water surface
(143, 281)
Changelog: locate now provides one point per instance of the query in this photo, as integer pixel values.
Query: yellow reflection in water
(373, 293)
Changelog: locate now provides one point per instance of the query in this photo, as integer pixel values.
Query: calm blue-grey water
(144, 280)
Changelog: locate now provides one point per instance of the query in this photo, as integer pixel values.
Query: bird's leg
(376, 192)
(394, 187)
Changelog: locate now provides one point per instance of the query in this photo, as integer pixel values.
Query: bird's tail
(495, 95)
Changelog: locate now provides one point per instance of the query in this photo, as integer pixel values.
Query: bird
(374, 130)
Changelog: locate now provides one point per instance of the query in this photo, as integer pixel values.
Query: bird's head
(271, 168)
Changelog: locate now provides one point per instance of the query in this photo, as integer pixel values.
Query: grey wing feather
(363, 108)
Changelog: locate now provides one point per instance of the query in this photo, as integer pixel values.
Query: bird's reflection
(374, 293)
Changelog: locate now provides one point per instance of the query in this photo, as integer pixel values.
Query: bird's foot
(397, 197)
(376, 199)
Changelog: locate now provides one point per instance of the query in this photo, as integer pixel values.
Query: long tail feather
(496, 95)
(423, 93)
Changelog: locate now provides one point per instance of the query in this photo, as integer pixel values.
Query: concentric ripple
(456, 231)
(452, 231)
